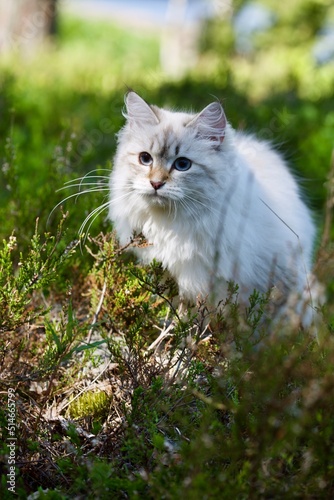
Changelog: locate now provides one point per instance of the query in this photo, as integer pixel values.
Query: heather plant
(203, 410)
(21, 274)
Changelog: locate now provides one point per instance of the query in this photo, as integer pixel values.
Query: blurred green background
(60, 104)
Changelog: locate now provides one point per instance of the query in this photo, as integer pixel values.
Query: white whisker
(74, 195)
(98, 185)
(190, 209)
(77, 179)
(86, 185)
(92, 215)
(96, 170)
(194, 201)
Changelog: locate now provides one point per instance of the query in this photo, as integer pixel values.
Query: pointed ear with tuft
(138, 110)
(211, 122)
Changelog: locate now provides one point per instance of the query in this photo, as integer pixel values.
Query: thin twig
(164, 333)
(97, 312)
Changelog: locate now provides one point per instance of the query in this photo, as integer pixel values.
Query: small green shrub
(35, 270)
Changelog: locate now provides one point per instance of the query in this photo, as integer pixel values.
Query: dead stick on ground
(97, 312)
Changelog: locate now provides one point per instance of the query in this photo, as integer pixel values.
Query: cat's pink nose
(157, 185)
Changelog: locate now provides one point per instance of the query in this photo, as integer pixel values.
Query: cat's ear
(211, 122)
(138, 110)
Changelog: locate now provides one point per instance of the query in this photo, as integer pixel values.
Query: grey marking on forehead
(165, 140)
(166, 144)
(163, 152)
(168, 133)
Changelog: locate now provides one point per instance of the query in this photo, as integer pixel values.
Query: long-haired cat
(215, 205)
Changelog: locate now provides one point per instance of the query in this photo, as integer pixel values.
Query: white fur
(236, 214)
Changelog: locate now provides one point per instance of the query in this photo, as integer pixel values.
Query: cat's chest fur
(185, 250)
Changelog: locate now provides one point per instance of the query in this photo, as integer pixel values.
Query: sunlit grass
(87, 56)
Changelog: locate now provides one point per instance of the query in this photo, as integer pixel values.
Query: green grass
(101, 411)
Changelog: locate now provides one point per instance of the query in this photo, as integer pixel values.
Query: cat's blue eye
(145, 159)
(182, 164)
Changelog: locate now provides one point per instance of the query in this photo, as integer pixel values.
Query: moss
(94, 404)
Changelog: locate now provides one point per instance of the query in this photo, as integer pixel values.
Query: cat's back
(279, 187)
(279, 192)
(265, 163)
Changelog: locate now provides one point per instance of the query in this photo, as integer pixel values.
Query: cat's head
(167, 157)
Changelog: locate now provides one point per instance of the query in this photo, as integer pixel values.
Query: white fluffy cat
(214, 204)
